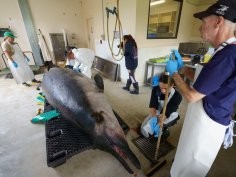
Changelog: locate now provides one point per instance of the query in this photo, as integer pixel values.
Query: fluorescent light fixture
(157, 2)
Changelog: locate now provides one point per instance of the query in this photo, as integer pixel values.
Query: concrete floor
(23, 146)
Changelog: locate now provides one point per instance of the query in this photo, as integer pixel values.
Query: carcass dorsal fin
(99, 82)
(98, 116)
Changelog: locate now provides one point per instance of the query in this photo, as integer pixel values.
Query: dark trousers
(132, 76)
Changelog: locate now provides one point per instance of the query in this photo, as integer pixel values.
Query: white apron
(200, 139)
(199, 143)
(22, 73)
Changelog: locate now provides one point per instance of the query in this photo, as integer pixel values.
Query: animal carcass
(82, 101)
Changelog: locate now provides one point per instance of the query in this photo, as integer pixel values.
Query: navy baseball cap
(224, 8)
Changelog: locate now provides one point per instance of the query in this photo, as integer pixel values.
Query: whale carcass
(82, 101)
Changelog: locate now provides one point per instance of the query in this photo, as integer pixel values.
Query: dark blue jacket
(131, 55)
(217, 81)
(172, 105)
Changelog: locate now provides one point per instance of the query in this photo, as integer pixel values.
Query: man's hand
(172, 67)
(178, 58)
(175, 63)
(188, 72)
(14, 64)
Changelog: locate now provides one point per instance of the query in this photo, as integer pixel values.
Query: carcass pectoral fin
(98, 116)
(99, 82)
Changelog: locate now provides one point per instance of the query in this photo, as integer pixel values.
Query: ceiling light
(157, 2)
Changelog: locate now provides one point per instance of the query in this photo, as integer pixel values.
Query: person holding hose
(208, 121)
(131, 62)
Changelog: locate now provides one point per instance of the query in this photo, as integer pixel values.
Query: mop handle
(162, 118)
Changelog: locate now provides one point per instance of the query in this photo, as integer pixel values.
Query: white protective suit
(83, 60)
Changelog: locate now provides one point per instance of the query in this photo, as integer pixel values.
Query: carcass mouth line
(117, 149)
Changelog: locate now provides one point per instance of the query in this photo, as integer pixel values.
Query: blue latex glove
(178, 58)
(172, 67)
(154, 126)
(27, 59)
(15, 64)
(155, 81)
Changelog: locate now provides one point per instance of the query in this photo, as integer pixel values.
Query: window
(3, 30)
(163, 19)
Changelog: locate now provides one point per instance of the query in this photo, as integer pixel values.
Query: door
(58, 46)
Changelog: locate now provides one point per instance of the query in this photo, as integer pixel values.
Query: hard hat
(9, 34)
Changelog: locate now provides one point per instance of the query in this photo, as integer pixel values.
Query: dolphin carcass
(82, 101)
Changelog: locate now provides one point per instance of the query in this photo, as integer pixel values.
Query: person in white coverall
(208, 122)
(69, 56)
(84, 58)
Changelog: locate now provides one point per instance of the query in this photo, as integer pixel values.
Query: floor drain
(148, 147)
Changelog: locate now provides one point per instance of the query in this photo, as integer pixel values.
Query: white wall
(54, 16)
(195, 34)
(11, 18)
(134, 18)
(150, 48)
(51, 16)
(95, 10)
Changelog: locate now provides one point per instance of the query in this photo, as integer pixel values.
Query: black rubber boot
(128, 83)
(136, 88)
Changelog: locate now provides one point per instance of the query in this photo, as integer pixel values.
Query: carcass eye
(98, 116)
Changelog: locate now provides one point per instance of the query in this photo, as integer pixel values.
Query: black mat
(63, 140)
(148, 147)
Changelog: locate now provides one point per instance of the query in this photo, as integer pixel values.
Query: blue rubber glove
(178, 58)
(155, 81)
(27, 59)
(15, 64)
(154, 126)
(172, 67)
